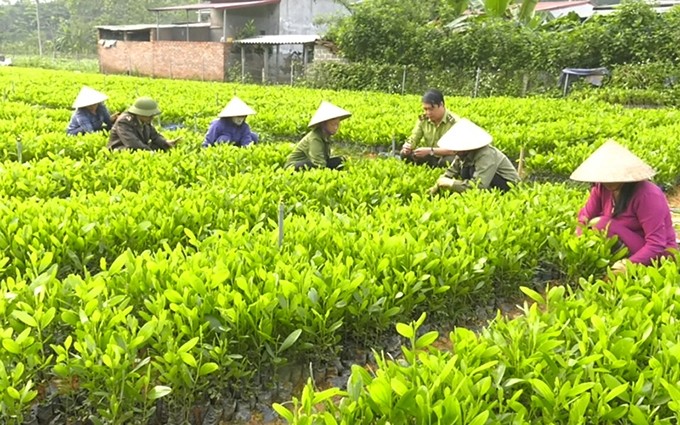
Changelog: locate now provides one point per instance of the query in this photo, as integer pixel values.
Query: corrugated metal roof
(142, 27)
(280, 39)
(232, 5)
(552, 5)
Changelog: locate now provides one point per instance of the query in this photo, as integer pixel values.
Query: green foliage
(127, 277)
(381, 34)
(604, 353)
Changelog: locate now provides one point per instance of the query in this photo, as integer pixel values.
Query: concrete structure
(660, 7)
(200, 47)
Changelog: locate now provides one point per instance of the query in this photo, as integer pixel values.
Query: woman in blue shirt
(90, 114)
(231, 126)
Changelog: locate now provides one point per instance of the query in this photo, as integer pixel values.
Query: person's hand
(174, 141)
(593, 222)
(444, 182)
(422, 152)
(619, 267)
(406, 149)
(433, 190)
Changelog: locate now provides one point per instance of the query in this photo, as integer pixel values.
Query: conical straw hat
(612, 163)
(464, 136)
(236, 108)
(87, 97)
(328, 111)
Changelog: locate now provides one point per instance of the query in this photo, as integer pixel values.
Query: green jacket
(129, 132)
(487, 162)
(315, 146)
(430, 133)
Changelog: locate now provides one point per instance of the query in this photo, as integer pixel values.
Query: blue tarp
(594, 76)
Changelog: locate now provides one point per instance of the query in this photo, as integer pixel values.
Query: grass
(86, 64)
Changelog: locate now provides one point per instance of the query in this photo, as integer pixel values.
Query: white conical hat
(328, 111)
(236, 108)
(612, 163)
(464, 136)
(88, 96)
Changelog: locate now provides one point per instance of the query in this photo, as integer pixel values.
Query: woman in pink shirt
(626, 204)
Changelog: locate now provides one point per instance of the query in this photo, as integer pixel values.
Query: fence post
(20, 149)
(281, 215)
(477, 78)
(520, 165)
(403, 81)
(525, 84)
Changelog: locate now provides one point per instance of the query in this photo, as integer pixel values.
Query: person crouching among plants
(477, 163)
(230, 127)
(90, 114)
(133, 129)
(314, 150)
(624, 203)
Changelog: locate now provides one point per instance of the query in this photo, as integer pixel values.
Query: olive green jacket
(487, 162)
(315, 146)
(429, 133)
(128, 132)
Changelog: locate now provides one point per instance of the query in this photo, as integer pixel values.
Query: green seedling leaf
(159, 391)
(188, 345)
(481, 418)
(12, 392)
(284, 413)
(25, 318)
(427, 339)
(636, 416)
(188, 359)
(11, 346)
(532, 294)
(616, 392)
(290, 340)
(405, 330)
(207, 368)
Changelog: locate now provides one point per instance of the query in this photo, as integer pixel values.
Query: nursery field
(207, 285)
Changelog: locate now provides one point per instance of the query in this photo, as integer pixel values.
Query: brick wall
(167, 59)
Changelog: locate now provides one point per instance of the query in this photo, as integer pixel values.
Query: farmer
(230, 127)
(133, 129)
(624, 203)
(430, 127)
(90, 114)
(477, 163)
(314, 150)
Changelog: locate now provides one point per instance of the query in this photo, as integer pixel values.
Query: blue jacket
(84, 121)
(223, 130)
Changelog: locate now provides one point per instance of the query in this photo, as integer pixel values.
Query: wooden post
(281, 216)
(265, 69)
(276, 62)
(520, 164)
(187, 14)
(243, 64)
(224, 25)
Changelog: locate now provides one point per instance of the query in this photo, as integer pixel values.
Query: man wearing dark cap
(133, 129)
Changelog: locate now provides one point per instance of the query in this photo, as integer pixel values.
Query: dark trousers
(334, 163)
(497, 182)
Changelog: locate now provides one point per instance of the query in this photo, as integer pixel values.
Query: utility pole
(37, 18)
